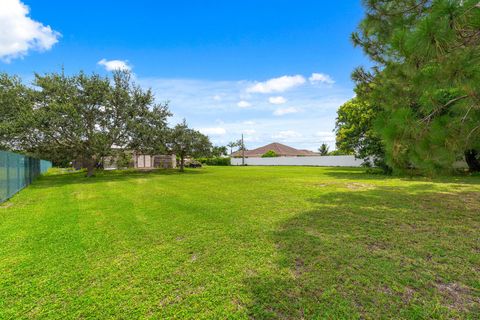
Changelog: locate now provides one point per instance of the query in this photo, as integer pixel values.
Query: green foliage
(355, 132)
(269, 154)
(185, 142)
(80, 117)
(426, 80)
(340, 153)
(219, 151)
(215, 161)
(124, 160)
(323, 149)
(16, 110)
(232, 145)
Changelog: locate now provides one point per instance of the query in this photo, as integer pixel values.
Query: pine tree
(323, 150)
(426, 79)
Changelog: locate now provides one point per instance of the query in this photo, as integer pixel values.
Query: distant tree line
(69, 117)
(418, 107)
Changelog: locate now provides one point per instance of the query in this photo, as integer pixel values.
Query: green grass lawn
(241, 242)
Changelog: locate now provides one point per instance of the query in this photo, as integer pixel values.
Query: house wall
(325, 161)
(109, 163)
(141, 161)
(165, 161)
(158, 161)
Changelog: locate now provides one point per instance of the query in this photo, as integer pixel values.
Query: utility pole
(243, 152)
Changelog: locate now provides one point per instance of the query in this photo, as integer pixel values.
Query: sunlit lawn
(241, 242)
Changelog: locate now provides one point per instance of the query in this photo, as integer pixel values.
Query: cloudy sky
(274, 70)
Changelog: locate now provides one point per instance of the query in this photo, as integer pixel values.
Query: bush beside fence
(217, 161)
(18, 171)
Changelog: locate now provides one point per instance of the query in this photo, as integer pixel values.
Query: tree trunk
(471, 157)
(182, 163)
(91, 164)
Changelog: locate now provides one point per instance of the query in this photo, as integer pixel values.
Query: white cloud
(280, 84)
(192, 99)
(213, 131)
(217, 97)
(244, 104)
(249, 131)
(326, 135)
(277, 100)
(321, 78)
(287, 134)
(284, 111)
(112, 65)
(19, 33)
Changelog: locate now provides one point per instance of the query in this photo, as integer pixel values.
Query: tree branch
(449, 103)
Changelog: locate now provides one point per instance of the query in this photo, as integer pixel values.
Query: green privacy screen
(17, 172)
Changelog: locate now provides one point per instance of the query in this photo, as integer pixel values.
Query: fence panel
(325, 161)
(18, 171)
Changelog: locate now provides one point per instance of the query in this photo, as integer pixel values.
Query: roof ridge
(277, 147)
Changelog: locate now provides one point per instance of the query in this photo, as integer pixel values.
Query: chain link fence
(18, 171)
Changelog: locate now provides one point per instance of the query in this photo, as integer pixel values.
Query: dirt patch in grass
(299, 266)
(193, 258)
(6, 205)
(377, 246)
(359, 186)
(458, 296)
(351, 186)
(321, 185)
(465, 200)
(407, 295)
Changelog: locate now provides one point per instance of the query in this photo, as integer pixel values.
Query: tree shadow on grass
(78, 177)
(376, 253)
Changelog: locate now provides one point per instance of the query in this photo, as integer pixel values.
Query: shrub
(124, 160)
(270, 154)
(215, 161)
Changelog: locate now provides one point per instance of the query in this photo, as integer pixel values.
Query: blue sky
(274, 70)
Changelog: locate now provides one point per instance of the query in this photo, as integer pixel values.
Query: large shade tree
(426, 80)
(85, 116)
(16, 109)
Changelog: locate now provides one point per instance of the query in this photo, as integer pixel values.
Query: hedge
(216, 161)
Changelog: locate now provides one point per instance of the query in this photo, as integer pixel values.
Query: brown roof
(280, 149)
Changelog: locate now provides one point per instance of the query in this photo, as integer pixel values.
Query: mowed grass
(241, 242)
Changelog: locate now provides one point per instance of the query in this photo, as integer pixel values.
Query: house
(280, 149)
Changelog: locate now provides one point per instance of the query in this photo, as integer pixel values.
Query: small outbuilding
(144, 161)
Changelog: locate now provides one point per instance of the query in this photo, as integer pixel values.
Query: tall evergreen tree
(426, 80)
(323, 150)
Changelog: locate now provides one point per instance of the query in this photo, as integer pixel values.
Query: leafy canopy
(185, 141)
(80, 117)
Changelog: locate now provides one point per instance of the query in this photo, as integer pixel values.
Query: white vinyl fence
(319, 161)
